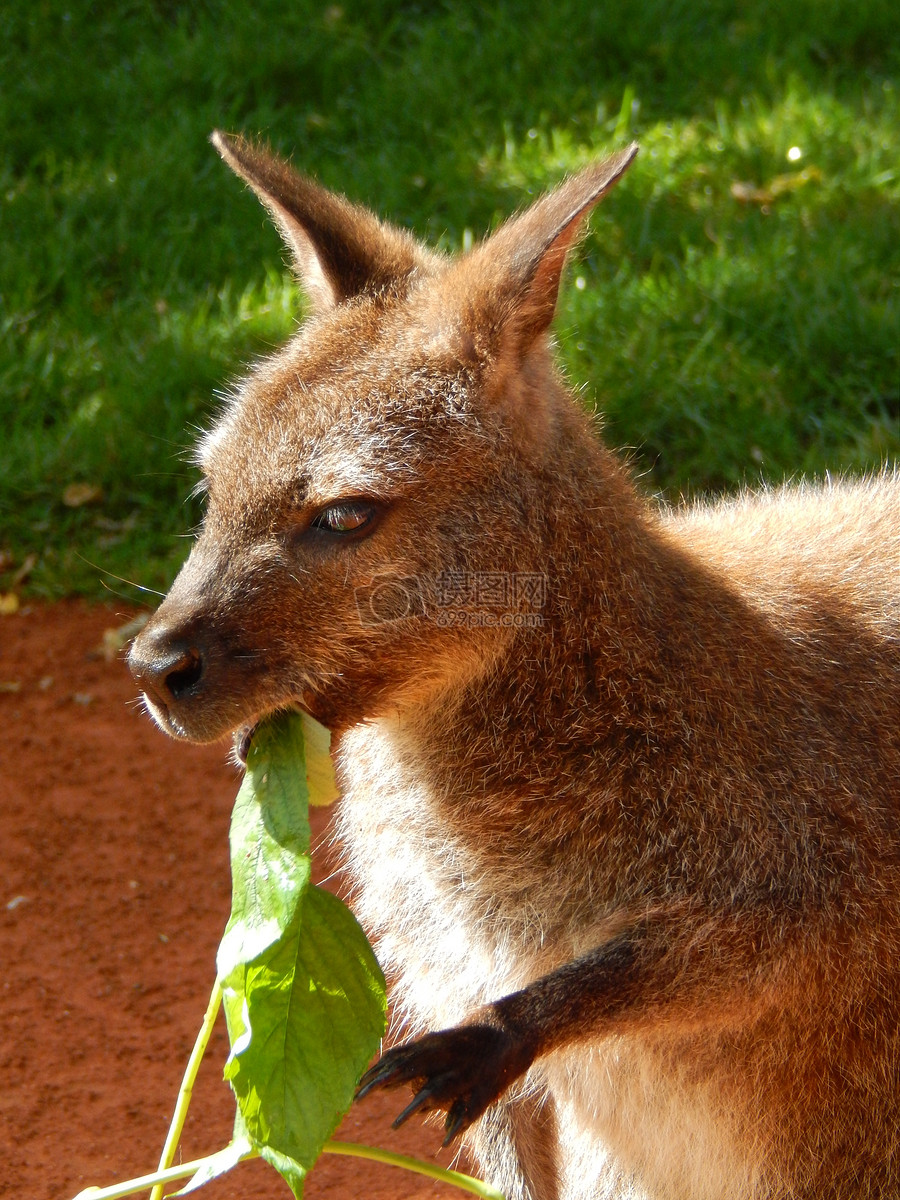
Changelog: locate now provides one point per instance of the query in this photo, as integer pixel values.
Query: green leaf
(305, 1017)
(319, 767)
(270, 864)
(292, 1173)
(304, 997)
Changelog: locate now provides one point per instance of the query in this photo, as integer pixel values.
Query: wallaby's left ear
(339, 249)
(519, 267)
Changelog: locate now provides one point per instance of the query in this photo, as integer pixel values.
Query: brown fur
(637, 865)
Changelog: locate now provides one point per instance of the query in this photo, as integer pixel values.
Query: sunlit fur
(697, 752)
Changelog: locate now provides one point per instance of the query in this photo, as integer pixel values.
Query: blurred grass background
(735, 312)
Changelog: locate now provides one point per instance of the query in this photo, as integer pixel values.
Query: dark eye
(350, 518)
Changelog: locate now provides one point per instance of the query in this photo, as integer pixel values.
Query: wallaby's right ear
(339, 249)
(514, 275)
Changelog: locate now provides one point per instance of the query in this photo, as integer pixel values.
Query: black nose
(167, 671)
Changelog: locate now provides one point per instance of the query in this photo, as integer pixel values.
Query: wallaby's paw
(461, 1070)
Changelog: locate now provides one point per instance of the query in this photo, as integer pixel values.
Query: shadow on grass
(136, 276)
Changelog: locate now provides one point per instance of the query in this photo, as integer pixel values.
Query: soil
(114, 891)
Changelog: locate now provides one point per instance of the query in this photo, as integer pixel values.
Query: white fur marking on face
(210, 439)
(155, 713)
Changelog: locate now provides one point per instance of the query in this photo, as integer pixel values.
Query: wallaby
(620, 784)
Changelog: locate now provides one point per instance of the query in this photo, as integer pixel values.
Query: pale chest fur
(430, 918)
(440, 940)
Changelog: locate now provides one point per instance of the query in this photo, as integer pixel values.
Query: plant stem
(465, 1182)
(158, 1179)
(166, 1173)
(187, 1087)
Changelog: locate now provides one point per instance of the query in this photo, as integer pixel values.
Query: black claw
(372, 1078)
(455, 1123)
(418, 1101)
(391, 1070)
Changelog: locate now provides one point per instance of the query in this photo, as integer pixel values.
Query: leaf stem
(155, 1179)
(465, 1182)
(187, 1087)
(158, 1179)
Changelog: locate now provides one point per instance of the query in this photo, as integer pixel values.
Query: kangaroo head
(401, 443)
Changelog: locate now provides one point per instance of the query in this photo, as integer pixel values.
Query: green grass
(725, 339)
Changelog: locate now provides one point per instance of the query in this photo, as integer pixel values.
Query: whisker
(121, 578)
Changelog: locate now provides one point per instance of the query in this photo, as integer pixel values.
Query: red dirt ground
(114, 891)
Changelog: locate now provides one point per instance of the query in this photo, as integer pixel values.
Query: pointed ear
(519, 267)
(339, 250)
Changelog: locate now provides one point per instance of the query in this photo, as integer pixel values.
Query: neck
(617, 627)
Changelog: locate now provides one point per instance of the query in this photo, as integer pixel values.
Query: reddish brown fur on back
(620, 784)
